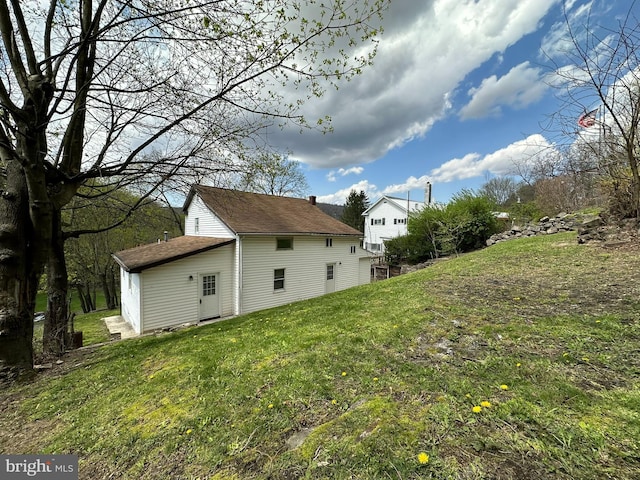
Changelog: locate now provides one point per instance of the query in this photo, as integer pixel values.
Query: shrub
(407, 249)
(462, 225)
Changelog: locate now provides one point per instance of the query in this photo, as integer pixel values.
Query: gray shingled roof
(254, 213)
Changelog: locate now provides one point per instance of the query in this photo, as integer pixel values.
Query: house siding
(389, 210)
(170, 298)
(130, 299)
(305, 269)
(209, 225)
(364, 273)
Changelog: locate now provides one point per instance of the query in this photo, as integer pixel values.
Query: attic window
(196, 225)
(285, 243)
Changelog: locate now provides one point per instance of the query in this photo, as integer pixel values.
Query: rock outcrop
(562, 222)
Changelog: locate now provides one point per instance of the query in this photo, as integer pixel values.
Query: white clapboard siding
(170, 298)
(305, 269)
(130, 307)
(365, 270)
(209, 225)
(394, 212)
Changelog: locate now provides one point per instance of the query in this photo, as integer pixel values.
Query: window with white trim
(328, 242)
(196, 225)
(278, 279)
(208, 285)
(284, 243)
(330, 271)
(353, 249)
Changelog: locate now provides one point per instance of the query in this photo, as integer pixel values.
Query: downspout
(239, 270)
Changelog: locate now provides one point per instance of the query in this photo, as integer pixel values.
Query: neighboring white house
(241, 252)
(385, 219)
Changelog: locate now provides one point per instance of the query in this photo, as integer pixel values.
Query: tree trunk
(18, 281)
(83, 302)
(113, 284)
(108, 293)
(93, 295)
(55, 339)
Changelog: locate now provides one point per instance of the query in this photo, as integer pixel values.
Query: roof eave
(157, 263)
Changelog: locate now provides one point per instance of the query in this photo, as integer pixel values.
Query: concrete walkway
(117, 325)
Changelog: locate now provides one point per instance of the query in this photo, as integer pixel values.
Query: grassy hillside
(518, 361)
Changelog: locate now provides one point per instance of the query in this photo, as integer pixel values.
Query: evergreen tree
(354, 207)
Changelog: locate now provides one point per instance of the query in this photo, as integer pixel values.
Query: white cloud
(412, 183)
(332, 176)
(500, 162)
(340, 197)
(427, 50)
(557, 42)
(520, 87)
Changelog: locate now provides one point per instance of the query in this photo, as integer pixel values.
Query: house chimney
(312, 199)
(166, 236)
(427, 193)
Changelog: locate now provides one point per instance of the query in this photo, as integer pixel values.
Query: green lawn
(74, 305)
(516, 362)
(91, 325)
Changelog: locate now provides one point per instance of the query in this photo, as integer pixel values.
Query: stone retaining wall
(562, 222)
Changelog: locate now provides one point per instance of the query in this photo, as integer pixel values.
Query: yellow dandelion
(375, 379)
(334, 402)
(151, 377)
(518, 364)
(423, 458)
(586, 359)
(477, 409)
(565, 354)
(344, 374)
(188, 432)
(485, 404)
(504, 387)
(270, 405)
(517, 299)
(468, 395)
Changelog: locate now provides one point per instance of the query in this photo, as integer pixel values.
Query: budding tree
(601, 89)
(135, 92)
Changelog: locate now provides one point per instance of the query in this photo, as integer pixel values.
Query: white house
(385, 219)
(241, 252)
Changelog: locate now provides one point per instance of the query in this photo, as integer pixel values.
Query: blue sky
(459, 92)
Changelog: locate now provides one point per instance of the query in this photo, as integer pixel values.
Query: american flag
(588, 119)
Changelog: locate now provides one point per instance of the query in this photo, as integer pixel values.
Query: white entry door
(209, 297)
(330, 285)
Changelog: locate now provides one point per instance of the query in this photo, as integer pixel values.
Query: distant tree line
(89, 263)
